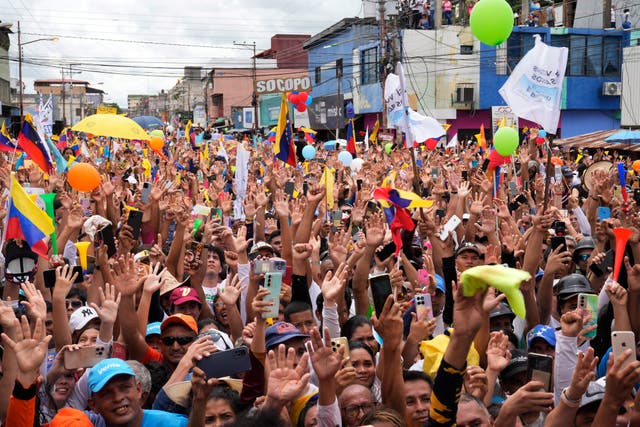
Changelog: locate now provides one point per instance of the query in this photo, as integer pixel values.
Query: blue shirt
(150, 418)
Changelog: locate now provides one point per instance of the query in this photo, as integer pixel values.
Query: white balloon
(356, 164)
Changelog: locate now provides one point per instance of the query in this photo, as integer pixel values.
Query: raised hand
(583, 373)
(285, 382)
(125, 275)
(8, 318)
(65, 277)
(325, 362)
(498, 354)
(152, 283)
(333, 284)
(36, 307)
(109, 302)
(232, 291)
(30, 349)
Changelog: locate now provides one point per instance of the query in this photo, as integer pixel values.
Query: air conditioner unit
(464, 95)
(611, 88)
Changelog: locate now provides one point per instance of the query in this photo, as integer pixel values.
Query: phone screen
(380, 289)
(539, 368)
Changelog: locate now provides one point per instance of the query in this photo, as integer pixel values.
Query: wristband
(571, 403)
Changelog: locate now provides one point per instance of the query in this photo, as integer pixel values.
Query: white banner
(45, 114)
(534, 89)
(240, 181)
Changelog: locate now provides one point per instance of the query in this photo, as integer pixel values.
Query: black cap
(566, 171)
(502, 309)
(517, 364)
(468, 246)
(573, 284)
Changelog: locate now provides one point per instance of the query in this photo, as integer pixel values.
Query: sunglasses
(74, 304)
(584, 257)
(168, 341)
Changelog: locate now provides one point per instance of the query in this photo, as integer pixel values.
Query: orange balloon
(156, 143)
(636, 166)
(83, 177)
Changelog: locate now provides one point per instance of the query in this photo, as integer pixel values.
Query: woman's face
(88, 337)
(218, 413)
(62, 388)
(311, 417)
(221, 312)
(364, 366)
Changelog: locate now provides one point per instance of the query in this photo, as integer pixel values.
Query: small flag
(26, 221)
(187, 131)
(373, 138)
(351, 139)
(482, 141)
(30, 142)
(328, 180)
(284, 148)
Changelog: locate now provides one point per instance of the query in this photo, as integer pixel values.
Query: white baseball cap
(81, 317)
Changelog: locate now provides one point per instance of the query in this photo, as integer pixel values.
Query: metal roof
(595, 140)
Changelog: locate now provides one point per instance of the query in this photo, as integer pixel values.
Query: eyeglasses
(352, 411)
(74, 304)
(168, 341)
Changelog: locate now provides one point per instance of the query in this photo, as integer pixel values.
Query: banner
(103, 109)
(45, 116)
(240, 181)
(534, 89)
(503, 112)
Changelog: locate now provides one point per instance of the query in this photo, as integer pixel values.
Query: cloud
(181, 33)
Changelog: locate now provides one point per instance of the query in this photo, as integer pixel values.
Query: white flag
(534, 89)
(453, 143)
(240, 180)
(366, 139)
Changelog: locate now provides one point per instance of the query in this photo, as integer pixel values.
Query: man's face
(298, 345)
(277, 243)
(354, 405)
(303, 320)
(471, 415)
(417, 396)
(73, 304)
(569, 304)
(467, 259)
(540, 346)
(213, 263)
(437, 303)
(501, 323)
(119, 401)
(192, 308)
(174, 351)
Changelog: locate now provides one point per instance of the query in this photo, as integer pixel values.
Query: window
(594, 56)
(318, 72)
(611, 56)
(518, 45)
(369, 66)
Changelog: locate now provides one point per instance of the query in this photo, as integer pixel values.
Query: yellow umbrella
(111, 125)
(307, 130)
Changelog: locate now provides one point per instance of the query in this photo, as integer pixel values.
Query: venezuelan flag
(30, 142)
(284, 148)
(351, 139)
(5, 140)
(26, 221)
(271, 136)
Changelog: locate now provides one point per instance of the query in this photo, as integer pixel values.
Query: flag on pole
(453, 143)
(284, 148)
(328, 180)
(366, 139)
(482, 141)
(187, 131)
(30, 142)
(5, 140)
(351, 139)
(373, 138)
(26, 221)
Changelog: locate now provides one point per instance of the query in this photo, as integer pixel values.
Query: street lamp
(20, 44)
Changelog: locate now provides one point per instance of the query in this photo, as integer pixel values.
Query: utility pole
(71, 100)
(340, 107)
(384, 61)
(20, 74)
(437, 22)
(524, 12)
(606, 14)
(64, 100)
(254, 96)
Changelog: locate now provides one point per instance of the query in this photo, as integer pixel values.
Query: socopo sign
(302, 83)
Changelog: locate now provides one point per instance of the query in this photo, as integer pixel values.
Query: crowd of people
(289, 301)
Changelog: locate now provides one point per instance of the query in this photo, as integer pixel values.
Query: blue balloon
(309, 100)
(542, 133)
(345, 158)
(308, 152)
(350, 111)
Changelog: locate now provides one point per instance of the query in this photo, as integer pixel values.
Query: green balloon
(491, 21)
(505, 141)
(387, 147)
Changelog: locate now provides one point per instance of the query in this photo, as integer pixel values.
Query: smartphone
(288, 188)
(604, 266)
(513, 188)
(557, 241)
(261, 266)
(434, 173)
(589, 302)
(216, 213)
(539, 368)
(485, 164)
(558, 174)
(451, 225)
(380, 289)
(440, 213)
(336, 343)
(145, 192)
(85, 204)
(521, 199)
(225, 363)
(135, 222)
(105, 237)
(336, 218)
(622, 340)
(386, 251)
(84, 357)
(465, 175)
(305, 188)
(525, 185)
(359, 184)
(423, 279)
(423, 306)
(603, 213)
(636, 195)
(273, 283)
(560, 227)
(50, 276)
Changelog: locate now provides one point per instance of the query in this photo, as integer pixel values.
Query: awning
(595, 140)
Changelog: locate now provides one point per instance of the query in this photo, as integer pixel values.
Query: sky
(141, 46)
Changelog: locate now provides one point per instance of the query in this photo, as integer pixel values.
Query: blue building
(592, 89)
(345, 66)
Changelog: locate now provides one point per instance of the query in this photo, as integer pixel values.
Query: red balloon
(301, 107)
(431, 144)
(294, 98)
(302, 97)
(540, 140)
(290, 98)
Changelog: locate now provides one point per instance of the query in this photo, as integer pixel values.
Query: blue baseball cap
(105, 371)
(281, 332)
(153, 328)
(545, 332)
